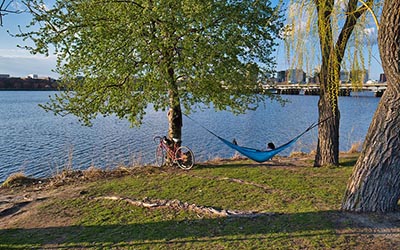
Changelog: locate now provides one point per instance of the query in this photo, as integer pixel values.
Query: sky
(18, 62)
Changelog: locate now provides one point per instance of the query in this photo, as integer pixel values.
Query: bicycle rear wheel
(160, 156)
(184, 157)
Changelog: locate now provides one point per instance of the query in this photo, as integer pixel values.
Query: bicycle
(180, 155)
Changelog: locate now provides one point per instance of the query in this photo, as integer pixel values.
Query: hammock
(256, 154)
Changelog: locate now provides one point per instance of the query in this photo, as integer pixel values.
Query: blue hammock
(256, 154)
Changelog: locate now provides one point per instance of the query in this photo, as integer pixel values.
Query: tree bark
(175, 120)
(328, 132)
(374, 185)
(174, 112)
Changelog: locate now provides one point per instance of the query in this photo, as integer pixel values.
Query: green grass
(305, 201)
(287, 190)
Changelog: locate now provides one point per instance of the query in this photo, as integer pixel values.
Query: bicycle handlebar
(157, 138)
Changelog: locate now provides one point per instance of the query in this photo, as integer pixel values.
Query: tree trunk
(332, 55)
(174, 112)
(175, 121)
(328, 132)
(375, 183)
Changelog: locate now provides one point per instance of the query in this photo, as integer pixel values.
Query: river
(40, 144)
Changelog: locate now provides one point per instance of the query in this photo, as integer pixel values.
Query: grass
(17, 179)
(304, 202)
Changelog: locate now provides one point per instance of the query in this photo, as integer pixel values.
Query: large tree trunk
(328, 110)
(328, 132)
(375, 183)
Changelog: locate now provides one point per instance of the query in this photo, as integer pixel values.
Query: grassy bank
(283, 204)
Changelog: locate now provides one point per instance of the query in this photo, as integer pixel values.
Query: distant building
(4, 76)
(33, 76)
(382, 77)
(281, 76)
(344, 77)
(295, 76)
(313, 79)
(291, 76)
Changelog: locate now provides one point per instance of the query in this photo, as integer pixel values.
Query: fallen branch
(179, 205)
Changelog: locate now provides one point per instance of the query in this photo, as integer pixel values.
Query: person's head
(270, 145)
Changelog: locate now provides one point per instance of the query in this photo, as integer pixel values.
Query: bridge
(314, 89)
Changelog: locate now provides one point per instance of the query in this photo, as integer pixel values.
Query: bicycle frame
(170, 151)
(176, 153)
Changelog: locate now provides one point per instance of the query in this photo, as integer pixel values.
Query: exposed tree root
(179, 205)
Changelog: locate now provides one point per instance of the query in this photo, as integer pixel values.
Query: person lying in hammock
(234, 141)
(270, 145)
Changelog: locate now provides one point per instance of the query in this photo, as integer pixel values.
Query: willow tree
(375, 183)
(333, 22)
(118, 57)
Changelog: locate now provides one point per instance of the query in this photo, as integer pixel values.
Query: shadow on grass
(14, 209)
(268, 227)
(349, 162)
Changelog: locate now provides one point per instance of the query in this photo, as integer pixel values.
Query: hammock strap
(198, 123)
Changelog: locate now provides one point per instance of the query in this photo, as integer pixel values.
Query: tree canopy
(119, 56)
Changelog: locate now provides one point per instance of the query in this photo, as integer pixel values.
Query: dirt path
(21, 207)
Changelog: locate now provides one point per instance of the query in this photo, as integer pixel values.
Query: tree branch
(4, 10)
(352, 13)
(132, 2)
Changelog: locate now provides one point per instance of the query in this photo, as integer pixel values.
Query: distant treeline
(28, 84)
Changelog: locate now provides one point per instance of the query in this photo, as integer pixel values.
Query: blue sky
(19, 62)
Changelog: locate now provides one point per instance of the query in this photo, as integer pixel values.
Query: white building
(33, 76)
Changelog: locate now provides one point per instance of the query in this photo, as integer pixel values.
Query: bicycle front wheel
(184, 157)
(160, 156)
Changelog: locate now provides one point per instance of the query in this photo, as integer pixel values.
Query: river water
(40, 144)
